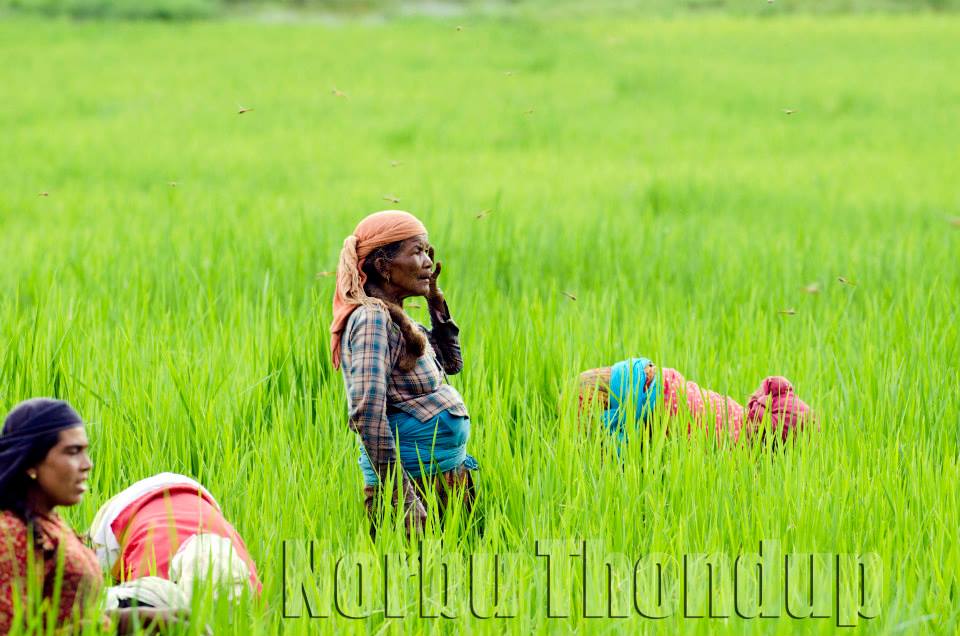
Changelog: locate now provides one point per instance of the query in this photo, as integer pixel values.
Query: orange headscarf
(377, 230)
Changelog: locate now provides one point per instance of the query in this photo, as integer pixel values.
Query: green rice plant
(640, 190)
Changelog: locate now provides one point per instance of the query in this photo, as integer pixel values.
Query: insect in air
(44, 194)
(788, 312)
(336, 92)
(812, 288)
(394, 164)
(243, 109)
(484, 213)
(844, 281)
(391, 198)
(569, 295)
(789, 111)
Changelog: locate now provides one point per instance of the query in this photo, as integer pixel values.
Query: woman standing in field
(394, 370)
(44, 565)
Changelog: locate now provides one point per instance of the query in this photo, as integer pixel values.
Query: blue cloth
(627, 389)
(446, 435)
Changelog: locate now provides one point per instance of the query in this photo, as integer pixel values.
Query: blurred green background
(194, 9)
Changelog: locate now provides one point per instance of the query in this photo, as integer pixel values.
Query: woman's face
(650, 372)
(409, 271)
(62, 475)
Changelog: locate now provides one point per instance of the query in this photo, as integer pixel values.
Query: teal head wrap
(628, 387)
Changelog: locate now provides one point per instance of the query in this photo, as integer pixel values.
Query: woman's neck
(377, 291)
(38, 503)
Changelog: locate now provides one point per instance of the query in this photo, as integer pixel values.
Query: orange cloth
(152, 529)
(376, 230)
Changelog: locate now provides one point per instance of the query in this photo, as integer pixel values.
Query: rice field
(731, 197)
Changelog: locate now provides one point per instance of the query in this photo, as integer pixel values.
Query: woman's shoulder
(50, 525)
(11, 523)
(13, 534)
(368, 311)
(373, 315)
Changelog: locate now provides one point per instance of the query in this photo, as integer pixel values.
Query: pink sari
(725, 416)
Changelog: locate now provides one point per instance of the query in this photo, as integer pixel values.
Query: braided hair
(414, 342)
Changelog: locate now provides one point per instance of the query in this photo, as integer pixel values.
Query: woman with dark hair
(44, 565)
(395, 370)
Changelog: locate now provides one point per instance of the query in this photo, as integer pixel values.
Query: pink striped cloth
(703, 406)
(788, 413)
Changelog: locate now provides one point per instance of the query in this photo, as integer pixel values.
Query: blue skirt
(426, 448)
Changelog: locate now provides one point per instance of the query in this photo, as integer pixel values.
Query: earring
(32, 474)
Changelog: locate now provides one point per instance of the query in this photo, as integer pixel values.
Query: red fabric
(788, 413)
(727, 413)
(82, 578)
(152, 528)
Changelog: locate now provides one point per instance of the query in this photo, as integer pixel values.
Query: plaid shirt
(371, 348)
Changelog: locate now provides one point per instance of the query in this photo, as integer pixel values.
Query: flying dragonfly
(44, 194)
(844, 281)
(789, 111)
(392, 198)
(569, 295)
(336, 92)
(812, 288)
(394, 164)
(243, 109)
(172, 184)
(788, 312)
(484, 213)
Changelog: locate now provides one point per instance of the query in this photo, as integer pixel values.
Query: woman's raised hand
(434, 296)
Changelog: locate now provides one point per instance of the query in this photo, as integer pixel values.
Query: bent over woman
(169, 526)
(774, 411)
(395, 370)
